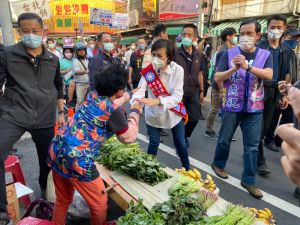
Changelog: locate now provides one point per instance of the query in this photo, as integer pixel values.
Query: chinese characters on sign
(39, 7)
(71, 9)
(120, 20)
(175, 9)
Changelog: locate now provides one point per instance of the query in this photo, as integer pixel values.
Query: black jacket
(191, 73)
(284, 57)
(32, 87)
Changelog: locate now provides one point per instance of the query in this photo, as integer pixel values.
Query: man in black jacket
(190, 59)
(32, 90)
(281, 60)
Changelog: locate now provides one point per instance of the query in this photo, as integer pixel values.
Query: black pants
(192, 106)
(10, 134)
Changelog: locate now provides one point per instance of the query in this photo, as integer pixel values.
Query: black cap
(293, 31)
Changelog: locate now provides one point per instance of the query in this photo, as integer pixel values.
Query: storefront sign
(176, 9)
(39, 7)
(120, 21)
(101, 17)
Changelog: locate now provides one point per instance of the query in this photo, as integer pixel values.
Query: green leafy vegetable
(184, 186)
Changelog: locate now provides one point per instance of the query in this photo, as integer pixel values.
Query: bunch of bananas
(208, 183)
(264, 215)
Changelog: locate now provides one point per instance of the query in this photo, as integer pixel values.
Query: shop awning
(128, 40)
(174, 30)
(217, 30)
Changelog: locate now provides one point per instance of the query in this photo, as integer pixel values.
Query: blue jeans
(250, 124)
(179, 142)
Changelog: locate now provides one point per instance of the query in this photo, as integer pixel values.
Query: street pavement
(278, 188)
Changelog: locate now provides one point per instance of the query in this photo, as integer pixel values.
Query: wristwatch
(249, 68)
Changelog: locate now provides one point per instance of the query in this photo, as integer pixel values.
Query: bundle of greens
(234, 215)
(181, 210)
(139, 215)
(131, 160)
(184, 186)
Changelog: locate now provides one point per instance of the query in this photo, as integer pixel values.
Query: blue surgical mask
(108, 47)
(32, 40)
(292, 43)
(187, 41)
(178, 44)
(141, 47)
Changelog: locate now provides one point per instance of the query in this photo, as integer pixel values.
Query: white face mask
(246, 42)
(69, 55)
(195, 43)
(275, 34)
(51, 46)
(157, 63)
(92, 46)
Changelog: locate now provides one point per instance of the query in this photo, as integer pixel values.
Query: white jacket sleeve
(141, 92)
(176, 96)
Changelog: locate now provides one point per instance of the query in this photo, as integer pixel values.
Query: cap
(293, 31)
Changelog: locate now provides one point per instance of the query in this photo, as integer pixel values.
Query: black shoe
(4, 219)
(164, 132)
(297, 193)
(211, 135)
(272, 147)
(201, 117)
(263, 170)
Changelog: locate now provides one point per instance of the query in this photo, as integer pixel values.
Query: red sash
(159, 89)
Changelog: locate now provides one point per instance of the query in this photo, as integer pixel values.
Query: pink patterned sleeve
(129, 134)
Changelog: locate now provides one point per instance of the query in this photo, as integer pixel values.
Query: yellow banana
(263, 216)
(197, 173)
(268, 211)
(209, 178)
(266, 215)
(253, 210)
(191, 174)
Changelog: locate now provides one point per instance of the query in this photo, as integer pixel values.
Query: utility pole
(6, 23)
(200, 17)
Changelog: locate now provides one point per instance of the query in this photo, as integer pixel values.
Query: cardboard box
(34, 221)
(14, 192)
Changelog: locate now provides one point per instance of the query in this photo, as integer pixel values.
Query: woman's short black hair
(111, 79)
(229, 31)
(251, 21)
(169, 45)
(30, 16)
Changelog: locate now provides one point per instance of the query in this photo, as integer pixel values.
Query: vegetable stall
(154, 195)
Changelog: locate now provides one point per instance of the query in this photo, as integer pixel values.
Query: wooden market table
(123, 189)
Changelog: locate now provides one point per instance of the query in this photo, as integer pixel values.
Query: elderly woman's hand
(149, 101)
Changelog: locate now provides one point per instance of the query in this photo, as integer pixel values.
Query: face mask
(275, 34)
(58, 49)
(157, 63)
(32, 40)
(51, 46)
(92, 46)
(141, 47)
(234, 41)
(69, 55)
(187, 42)
(108, 47)
(246, 42)
(195, 43)
(178, 44)
(292, 43)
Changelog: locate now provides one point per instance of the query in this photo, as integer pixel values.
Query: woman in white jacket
(159, 108)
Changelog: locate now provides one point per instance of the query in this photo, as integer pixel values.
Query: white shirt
(83, 79)
(127, 56)
(160, 116)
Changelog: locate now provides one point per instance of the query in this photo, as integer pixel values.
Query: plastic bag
(79, 207)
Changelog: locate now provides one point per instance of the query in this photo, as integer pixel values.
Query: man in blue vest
(243, 69)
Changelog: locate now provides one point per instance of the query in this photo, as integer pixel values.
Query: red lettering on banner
(67, 9)
(58, 9)
(75, 8)
(84, 8)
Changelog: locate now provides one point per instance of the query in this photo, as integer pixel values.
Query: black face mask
(81, 57)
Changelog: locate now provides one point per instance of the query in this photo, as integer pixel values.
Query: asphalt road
(277, 186)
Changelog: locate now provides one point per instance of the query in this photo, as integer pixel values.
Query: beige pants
(216, 98)
(81, 91)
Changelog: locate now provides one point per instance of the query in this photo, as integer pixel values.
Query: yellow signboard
(67, 13)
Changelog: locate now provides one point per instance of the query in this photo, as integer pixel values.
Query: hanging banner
(149, 9)
(177, 9)
(101, 17)
(120, 21)
(39, 7)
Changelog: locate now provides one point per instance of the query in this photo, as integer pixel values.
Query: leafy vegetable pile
(132, 160)
(184, 186)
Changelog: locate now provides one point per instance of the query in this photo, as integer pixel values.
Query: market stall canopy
(217, 30)
(174, 30)
(128, 40)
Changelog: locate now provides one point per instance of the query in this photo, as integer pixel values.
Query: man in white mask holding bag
(242, 70)
(276, 25)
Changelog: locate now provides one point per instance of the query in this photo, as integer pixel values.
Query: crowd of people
(251, 83)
